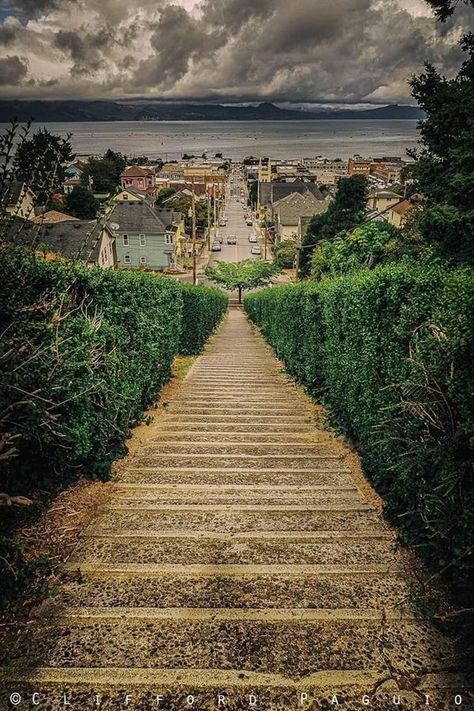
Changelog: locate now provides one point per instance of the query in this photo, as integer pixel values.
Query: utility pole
(265, 244)
(193, 235)
(208, 220)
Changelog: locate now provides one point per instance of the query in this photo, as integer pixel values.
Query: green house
(144, 235)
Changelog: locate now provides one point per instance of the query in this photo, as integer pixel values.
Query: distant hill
(70, 110)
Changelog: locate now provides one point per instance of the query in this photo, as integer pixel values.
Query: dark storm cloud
(84, 48)
(297, 50)
(12, 70)
(7, 34)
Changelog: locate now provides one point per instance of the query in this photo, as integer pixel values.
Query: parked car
(222, 222)
(218, 238)
(216, 247)
(256, 249)
(231, 239)
(248, 221)
(252, 237)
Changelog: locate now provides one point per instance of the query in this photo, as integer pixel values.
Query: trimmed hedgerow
(85, 351)
(203, 309)
(390, 350)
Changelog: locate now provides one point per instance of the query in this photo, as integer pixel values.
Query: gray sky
(348, 51)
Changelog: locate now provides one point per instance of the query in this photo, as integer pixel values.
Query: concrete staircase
(240, 561)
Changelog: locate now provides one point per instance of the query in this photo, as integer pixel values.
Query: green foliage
(104, 172)
(444, 168)
(446, 8)
(81, 203)
(284, 254)
(203, 309)
(253, 192)
(345, 212)
(163, 194)
(365, 246)
(90, 349)
(183, 204)
(39, 160)
(390, 350)
(242, 276)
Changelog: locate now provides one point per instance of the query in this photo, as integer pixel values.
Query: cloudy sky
(334, 51)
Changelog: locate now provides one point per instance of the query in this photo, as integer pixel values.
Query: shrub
(85, 350)
(203, 309)
(389, 350)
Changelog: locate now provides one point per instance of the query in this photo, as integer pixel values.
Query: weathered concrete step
(117, 615)
(294, 649)
(237, 418)
(318, 475)
(384, 591)
(292, 536)
(197, 436)
(249, 409)
(242, 427)
(232, 461)
(293, 449)
(232, 496)
(239, 521)
(325, 507)
(180, 551)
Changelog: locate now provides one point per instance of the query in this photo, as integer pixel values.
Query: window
(127, 259)
(125, 240)
(125, 196)
(142, 260)
(142, 239)
(168, 239)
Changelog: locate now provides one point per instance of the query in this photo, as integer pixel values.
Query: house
(75, 170)
(398, 213)
(269, 193)
(18, 200)
(136, 177)
(379, 200)
(144, 235)
(51, 216)
(70, 184)
(89, 241)
(134, 195)
(288, 210)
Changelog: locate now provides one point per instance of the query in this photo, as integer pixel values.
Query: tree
(445, 8)
(444, 168)
(104, 172)
(39, 163)
(163, 194)
(242, 276)
(345, 212)
(365, 246)
(284, 254)
(81, 203)
(253, 193)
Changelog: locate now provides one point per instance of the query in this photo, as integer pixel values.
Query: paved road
(235, 212)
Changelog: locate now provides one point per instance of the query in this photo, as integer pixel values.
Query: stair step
(152, 475)
(337, 519)
(179, 551)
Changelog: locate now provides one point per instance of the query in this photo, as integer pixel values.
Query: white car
(256, 249)
(252, 237)
(248, 222)
(231, 239)
(216, 247)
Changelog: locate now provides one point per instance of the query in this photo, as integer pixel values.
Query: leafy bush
(85, 350)
(389, 350)
(284, 254)
(203, 309)
(365, 246)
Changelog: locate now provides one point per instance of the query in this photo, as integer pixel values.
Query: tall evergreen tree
(39, 162)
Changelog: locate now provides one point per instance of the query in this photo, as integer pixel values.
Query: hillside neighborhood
(142, 216)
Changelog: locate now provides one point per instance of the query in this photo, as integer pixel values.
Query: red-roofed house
(136, 177)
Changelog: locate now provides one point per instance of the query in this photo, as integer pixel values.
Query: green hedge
(203, 309)
(390, 350)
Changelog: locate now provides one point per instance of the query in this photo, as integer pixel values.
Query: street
(235, 211)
